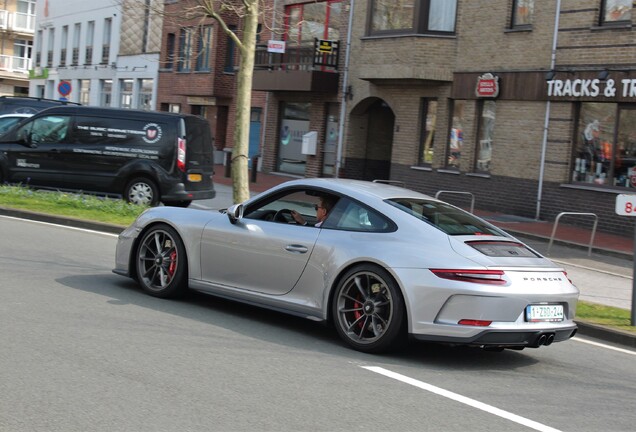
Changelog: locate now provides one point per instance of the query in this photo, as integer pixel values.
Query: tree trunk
(240, 173)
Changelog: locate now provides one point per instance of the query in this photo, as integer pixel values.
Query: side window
(522, 14)
(616, 12)
(278, 209)
(47, 130)
(352, 216)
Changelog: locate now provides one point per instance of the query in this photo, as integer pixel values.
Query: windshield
(451, 220)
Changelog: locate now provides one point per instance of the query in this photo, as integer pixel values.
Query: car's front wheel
(161, 262)
(368, 309)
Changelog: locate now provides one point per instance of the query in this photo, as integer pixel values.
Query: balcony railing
(15, 64)
(17, 21)
(304, 57)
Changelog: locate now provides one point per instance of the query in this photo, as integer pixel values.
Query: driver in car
(324, 206)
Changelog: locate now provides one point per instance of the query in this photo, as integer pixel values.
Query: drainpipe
(343, 102)
(266, 111)
(544, 143)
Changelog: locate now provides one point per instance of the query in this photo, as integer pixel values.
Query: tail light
(181, 154)
(494, 277)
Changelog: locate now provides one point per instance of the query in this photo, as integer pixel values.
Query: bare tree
(246, 13)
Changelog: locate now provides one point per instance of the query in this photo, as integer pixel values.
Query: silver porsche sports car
(385, 263)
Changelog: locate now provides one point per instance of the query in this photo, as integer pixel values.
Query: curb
(585, 328)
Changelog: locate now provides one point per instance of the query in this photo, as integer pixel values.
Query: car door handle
(296, 249)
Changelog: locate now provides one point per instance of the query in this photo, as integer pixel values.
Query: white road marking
(61, 226)
(592, 269)
(462, 399)
(621, 350)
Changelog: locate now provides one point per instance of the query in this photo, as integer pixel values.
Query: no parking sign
(64, 88)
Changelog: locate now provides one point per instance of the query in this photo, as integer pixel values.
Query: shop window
(485, 142)
(412, 16)
(593, 153)
(456, 140)
(427, 132)
(522, 13)
(616, 11)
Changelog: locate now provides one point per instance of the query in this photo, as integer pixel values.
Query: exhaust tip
(541, 340)
(549, 339)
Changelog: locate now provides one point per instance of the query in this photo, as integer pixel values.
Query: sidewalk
(622, 246)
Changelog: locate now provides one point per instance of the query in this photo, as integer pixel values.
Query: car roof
(114, 112)
(359, 189)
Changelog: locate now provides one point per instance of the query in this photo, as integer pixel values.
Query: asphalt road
(82, 349)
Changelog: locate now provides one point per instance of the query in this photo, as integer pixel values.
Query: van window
(47, 129)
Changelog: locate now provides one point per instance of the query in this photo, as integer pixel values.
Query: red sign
(487, 86)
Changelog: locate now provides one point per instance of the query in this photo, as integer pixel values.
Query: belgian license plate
(543, 313)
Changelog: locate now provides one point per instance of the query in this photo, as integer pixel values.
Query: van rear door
(199, 154)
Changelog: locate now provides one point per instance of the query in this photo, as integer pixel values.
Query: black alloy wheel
(161, 262)
(368, 310)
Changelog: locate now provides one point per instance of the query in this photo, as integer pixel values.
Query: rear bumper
(178, 192)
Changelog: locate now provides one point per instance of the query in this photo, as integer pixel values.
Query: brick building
(197, 75)
(530, 106)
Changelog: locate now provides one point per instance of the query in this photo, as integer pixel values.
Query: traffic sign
(64, 88)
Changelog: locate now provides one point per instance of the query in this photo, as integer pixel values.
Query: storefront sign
(610, 88)
(487, 86)
(275, 46)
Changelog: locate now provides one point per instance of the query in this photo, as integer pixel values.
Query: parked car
(28, 105)
(145, 157)
(385, 263)
(7, 121)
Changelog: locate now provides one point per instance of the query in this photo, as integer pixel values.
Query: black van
(146, 157)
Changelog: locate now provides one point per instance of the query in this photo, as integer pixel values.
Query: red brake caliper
(173, 263)
(357, 314)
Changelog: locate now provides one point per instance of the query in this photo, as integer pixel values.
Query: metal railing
(15, 64)
(472, 197)
(304, 57)
(556, 224)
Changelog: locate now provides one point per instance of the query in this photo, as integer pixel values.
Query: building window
(412, 16)
(185, 50)
(174, 108)
(522, 13)
(605, 152)
(106, 93)
(76, 43)
(90, 33)
(427, 130)
(170, 47)
(486, 129)
(456, 141)
(229, 53)
(22, 54)
(38, 49)
(204, 49)
(49, 55)
(85, 90)
(145, 94)
(125, 93)
(108, 25)
(616, 11)
(63, 46)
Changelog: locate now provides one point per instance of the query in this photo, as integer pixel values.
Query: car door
(257, 253)
(39, 159)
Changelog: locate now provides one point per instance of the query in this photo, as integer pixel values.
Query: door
(40, 160)
(255, 135)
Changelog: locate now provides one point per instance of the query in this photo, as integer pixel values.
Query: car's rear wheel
(142, 191)
(368, 310)
(161, 262)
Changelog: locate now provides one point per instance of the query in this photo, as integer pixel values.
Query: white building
(98, 52)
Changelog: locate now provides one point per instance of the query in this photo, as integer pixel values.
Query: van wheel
(142, 191)
(183, 203)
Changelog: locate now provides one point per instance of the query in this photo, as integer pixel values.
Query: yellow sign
(325, 46)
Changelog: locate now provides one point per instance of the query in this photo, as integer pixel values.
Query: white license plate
(542, 313)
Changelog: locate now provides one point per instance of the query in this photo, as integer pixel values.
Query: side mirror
(235, 212)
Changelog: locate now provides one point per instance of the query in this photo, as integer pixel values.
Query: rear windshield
(451, 220)
(199, 140)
